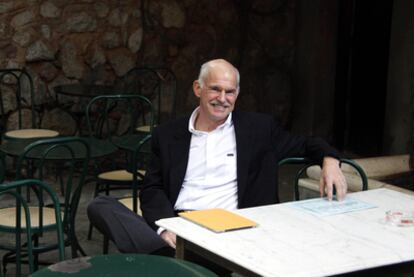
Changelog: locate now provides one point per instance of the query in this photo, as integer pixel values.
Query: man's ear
(197, 88)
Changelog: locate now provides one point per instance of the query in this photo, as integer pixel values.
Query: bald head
(217, 65)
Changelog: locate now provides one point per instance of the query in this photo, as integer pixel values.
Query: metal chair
(159, 85)
(21, 219)
(2, 167)
(104, 115)
(73, 154)
(167, 94)
(122, 265)
(130, 179)
(109, 116)
(16, 86)
(308, 163)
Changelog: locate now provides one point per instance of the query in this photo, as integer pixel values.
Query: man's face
(218, 94)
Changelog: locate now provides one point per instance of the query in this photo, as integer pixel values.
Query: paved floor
(94, 246)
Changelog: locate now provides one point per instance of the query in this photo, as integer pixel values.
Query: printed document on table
(324, 207)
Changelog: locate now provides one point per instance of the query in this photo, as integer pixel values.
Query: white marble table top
(292, 242)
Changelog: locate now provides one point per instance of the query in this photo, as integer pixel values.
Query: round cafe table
(123, 265)
(99, 148)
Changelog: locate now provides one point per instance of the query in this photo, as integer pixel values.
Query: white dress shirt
(211, 177)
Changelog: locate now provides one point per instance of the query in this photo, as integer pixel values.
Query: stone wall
(97, 42)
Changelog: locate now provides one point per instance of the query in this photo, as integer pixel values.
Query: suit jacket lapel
(179, 151)
(243, 145)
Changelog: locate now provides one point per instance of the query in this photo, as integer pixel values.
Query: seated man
(216, 158)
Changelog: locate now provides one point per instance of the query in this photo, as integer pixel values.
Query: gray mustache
(221, 105)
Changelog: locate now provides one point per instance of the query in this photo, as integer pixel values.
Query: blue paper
(324, 207)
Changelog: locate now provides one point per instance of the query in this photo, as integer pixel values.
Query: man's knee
(129, 231)
(100, 213)
(99, 205)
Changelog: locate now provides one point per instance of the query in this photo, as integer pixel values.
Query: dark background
(339, 69)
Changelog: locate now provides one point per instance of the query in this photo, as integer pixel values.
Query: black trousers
(131, 234)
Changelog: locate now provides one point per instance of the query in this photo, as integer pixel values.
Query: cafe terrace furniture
(159, 85)
(2, 167)
(23, 219)
(138, 149)
(72, 154)
(381, 171)
(293, 242)
(132, 111)
(98, 148)
(124, 265)
(69, 94)
(115, 118)
(82, 90)
(306, 163)
(21, 84)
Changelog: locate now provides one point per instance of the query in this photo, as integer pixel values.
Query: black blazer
(261, 143)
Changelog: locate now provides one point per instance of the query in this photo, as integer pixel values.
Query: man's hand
(331, 175)
(169, 237)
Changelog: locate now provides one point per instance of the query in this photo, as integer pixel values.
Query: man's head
(217, 87)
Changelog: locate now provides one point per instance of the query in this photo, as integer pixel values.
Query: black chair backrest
(116, 115)
(14, 189)
(158, 84)
(21, 83)
(308, 163)
(66, 158)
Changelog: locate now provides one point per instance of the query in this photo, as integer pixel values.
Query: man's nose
(222, 95)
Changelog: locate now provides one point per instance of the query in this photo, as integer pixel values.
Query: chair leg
(83, 253)
(90, 231)
(74, 243)
(11, 257)
(5, 262)
(59, 176)
(35, 254)
(105, 245)
(97, 187)
(96, 192)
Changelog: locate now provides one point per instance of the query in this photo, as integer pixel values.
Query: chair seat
(119, 175)
(127, 202)
(8, 217)
(144, 128)
(31, 133)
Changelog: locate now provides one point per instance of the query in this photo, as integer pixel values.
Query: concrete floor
(94, 246)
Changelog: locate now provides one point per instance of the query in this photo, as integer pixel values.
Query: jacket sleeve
(289, 145)
(154, 201)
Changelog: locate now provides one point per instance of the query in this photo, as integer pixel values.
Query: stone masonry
(98, 42)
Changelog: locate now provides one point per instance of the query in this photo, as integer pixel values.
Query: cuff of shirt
(160, 230)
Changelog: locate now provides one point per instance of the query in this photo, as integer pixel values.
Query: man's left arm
(332, 176)
(316, 149)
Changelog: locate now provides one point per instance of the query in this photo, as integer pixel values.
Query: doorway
(361, 80)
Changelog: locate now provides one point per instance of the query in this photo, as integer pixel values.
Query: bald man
(216, 158)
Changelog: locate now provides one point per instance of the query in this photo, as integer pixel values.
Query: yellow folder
(218, 220)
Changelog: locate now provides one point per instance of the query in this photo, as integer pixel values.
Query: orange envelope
(218, 220)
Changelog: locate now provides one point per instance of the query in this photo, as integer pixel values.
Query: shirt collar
(191, 127)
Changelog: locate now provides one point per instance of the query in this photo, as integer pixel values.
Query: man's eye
(229, 92)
